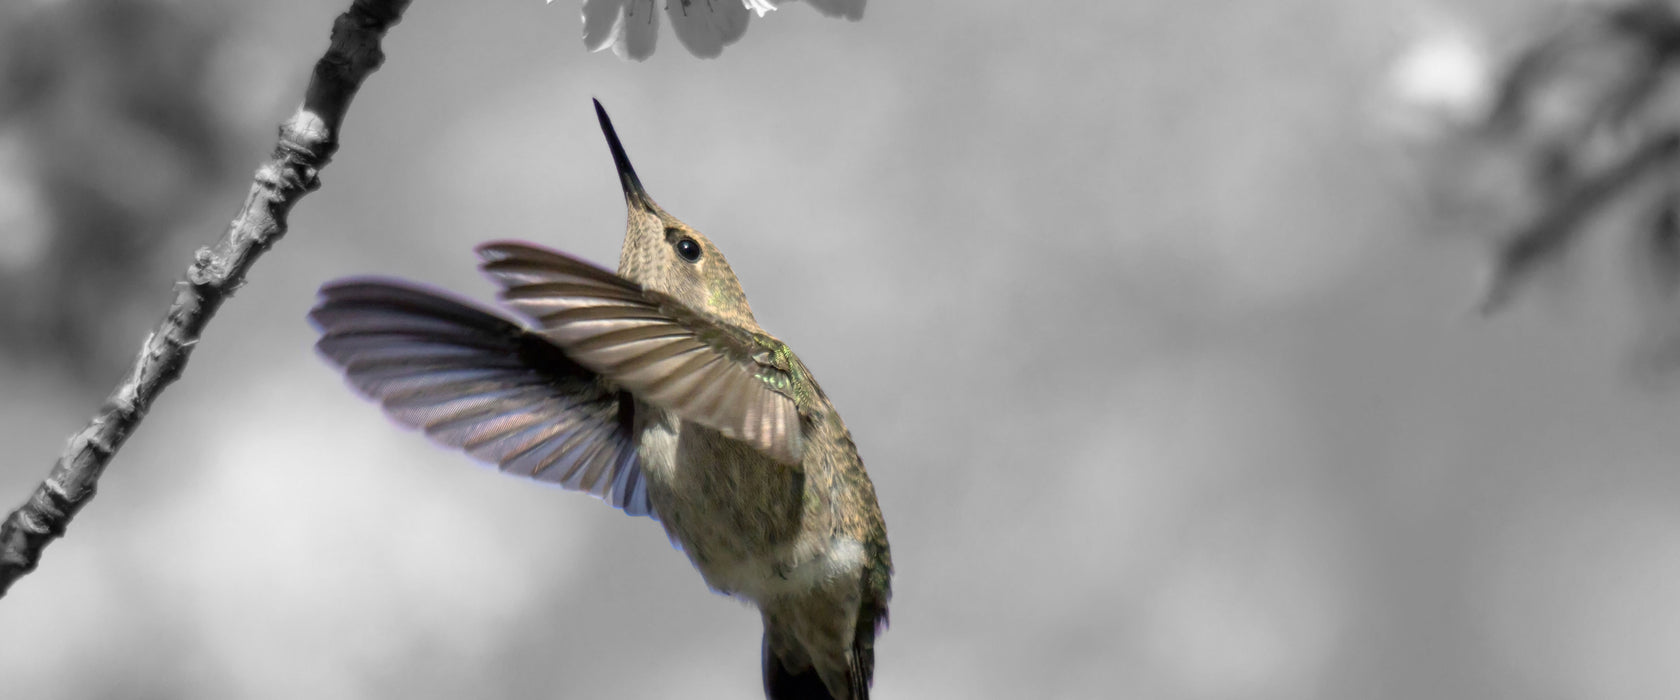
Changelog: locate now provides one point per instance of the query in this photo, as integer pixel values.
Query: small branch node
(305, 131)
(204, 270)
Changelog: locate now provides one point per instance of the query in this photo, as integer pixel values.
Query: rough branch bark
(307, 142)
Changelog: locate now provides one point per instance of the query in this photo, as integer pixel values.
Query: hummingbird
(655, 390)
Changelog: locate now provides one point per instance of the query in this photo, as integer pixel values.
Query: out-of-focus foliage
(111, 133)
(631, 27)
(1576, 129)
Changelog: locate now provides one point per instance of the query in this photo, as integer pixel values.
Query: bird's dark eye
(688, 249)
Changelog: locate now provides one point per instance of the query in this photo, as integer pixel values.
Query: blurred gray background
(1141, 315)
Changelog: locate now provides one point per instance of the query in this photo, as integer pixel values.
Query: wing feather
(665, 353)
(479, 383)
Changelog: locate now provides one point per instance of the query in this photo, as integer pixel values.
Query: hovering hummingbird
(655, 390)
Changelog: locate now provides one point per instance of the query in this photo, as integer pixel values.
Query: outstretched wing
(475, 381)
(738, 382)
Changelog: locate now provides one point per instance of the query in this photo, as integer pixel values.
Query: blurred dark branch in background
(307, 142)
(1550, 235)
(1590, 109)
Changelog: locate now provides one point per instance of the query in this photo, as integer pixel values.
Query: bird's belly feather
(751, 526)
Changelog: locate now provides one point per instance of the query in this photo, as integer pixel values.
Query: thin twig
(307, 142)
(1557, 227)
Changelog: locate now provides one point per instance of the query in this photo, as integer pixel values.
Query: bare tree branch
(1557, 227)
(307, 142)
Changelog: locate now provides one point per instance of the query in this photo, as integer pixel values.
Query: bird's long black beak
(634, 195)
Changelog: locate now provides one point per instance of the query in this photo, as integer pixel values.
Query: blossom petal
(603, 23)
(641, 31)
(706, 26)
(731, 22)
(850, 9)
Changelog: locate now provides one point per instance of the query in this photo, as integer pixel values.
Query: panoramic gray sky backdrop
(1138, 312)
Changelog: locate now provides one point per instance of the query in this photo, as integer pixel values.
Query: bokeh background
(1145, 317)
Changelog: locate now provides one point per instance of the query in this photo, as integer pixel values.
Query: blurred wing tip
(346, 290)
(361, 287)
(375, 293)
(313, 318)
(502, 249)
(510, 249)
(344, 286)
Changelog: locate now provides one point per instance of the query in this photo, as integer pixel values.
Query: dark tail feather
(872, 618)
(863, 669)
(782, 683)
